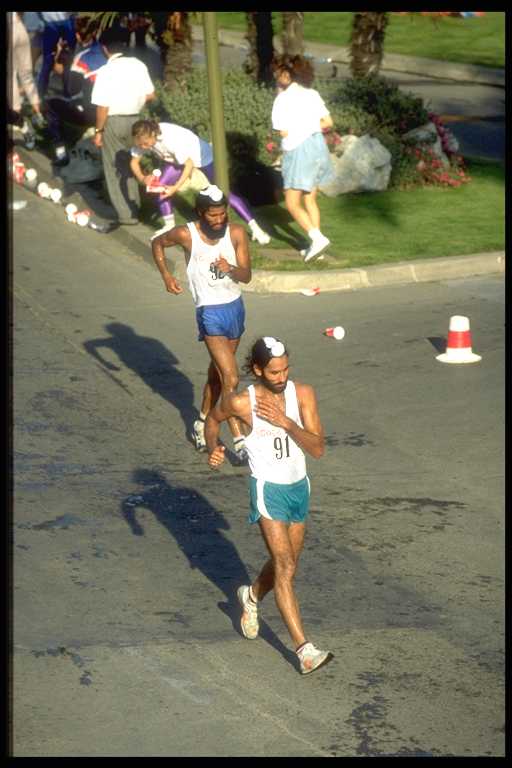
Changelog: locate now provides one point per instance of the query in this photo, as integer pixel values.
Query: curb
(136, 240)
(392, 62)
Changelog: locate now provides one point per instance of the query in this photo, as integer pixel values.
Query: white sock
(169, 220)
(252, 223)
(202, 416)
(314, 234)
(251, 595)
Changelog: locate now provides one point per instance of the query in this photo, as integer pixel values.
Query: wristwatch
(99, 130)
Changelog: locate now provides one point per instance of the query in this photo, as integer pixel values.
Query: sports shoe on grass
(249, 621)
(317, 247)
(198, 435)
(312, 658)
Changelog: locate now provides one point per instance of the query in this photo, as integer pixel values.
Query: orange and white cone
(458, 345)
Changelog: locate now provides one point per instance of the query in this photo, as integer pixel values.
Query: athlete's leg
(264, 583)
(222, 352)
(276, 535)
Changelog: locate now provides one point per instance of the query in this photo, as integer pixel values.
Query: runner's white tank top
(207, 285)
(273, 455)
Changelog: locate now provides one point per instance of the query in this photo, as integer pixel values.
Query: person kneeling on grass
(281, 421)
(188, 164)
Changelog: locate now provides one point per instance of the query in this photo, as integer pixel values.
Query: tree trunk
(173, 35)
(367, 43)
(292, 36)
(260, 36)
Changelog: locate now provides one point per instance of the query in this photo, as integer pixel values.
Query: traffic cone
(458, 346)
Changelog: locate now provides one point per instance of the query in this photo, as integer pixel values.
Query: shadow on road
(152, 362)
(198, 529)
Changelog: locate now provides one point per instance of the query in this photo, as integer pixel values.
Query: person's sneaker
(312, 658)
(317, 246)
(198, 435)
(241, 455)
(249, 622)
(167, 226)
(258, 234)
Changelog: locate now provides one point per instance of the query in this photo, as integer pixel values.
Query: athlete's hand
(216, 457)
(222, 264)
(269, 411)
(172, 284)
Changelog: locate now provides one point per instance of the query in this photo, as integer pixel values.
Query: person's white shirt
(297, 110)
(54, 17)
(176, 144)
(122, 85)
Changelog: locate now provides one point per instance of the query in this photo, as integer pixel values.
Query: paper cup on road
(31, 177)
(43, 190)
(337, 332)
(56, 195)
(71, 209)
(82, 218)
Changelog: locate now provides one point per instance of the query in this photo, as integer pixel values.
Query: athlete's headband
(211, 195)
(275, 347)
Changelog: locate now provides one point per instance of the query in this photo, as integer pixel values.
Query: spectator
(77, 108)
(121, 89)
(299, 114)
(188, 164)
(57, 25)
(21, 75)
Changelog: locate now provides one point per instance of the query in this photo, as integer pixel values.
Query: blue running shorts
(221, 319)
(279, 501)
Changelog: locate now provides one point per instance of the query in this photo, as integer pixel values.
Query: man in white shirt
(121, 89)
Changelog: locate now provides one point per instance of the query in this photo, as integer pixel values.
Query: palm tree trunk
(292, 36)
(178, 59)
(367, 43)
(260, 36)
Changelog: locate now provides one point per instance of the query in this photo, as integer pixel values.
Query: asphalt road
(127, 549)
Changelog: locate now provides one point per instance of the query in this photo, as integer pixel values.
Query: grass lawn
(383, 227)
(469, 41)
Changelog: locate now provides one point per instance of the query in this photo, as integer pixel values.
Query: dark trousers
(51, 34)
(59, 110)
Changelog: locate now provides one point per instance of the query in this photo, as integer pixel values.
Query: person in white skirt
(218, 260)
(299, 114)
(281, 422)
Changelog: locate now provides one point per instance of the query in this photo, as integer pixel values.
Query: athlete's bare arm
(234, 404)
(175, 236)
(310, 437)
(242, 272)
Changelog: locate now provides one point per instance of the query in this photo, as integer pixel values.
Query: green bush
(392, 108)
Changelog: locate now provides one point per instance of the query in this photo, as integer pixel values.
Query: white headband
(275, 347)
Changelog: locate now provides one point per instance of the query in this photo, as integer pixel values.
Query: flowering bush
(332, 139)
(431, 171)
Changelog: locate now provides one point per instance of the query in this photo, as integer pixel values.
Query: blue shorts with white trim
(221, 319)
(279, 501)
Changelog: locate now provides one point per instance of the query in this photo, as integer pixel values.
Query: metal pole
(216, 101)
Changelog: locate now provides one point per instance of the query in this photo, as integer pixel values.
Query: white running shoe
(198, 435)
(312, 658)
(258, 234)
(167, 226)
(249, 621)
(317, 246)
